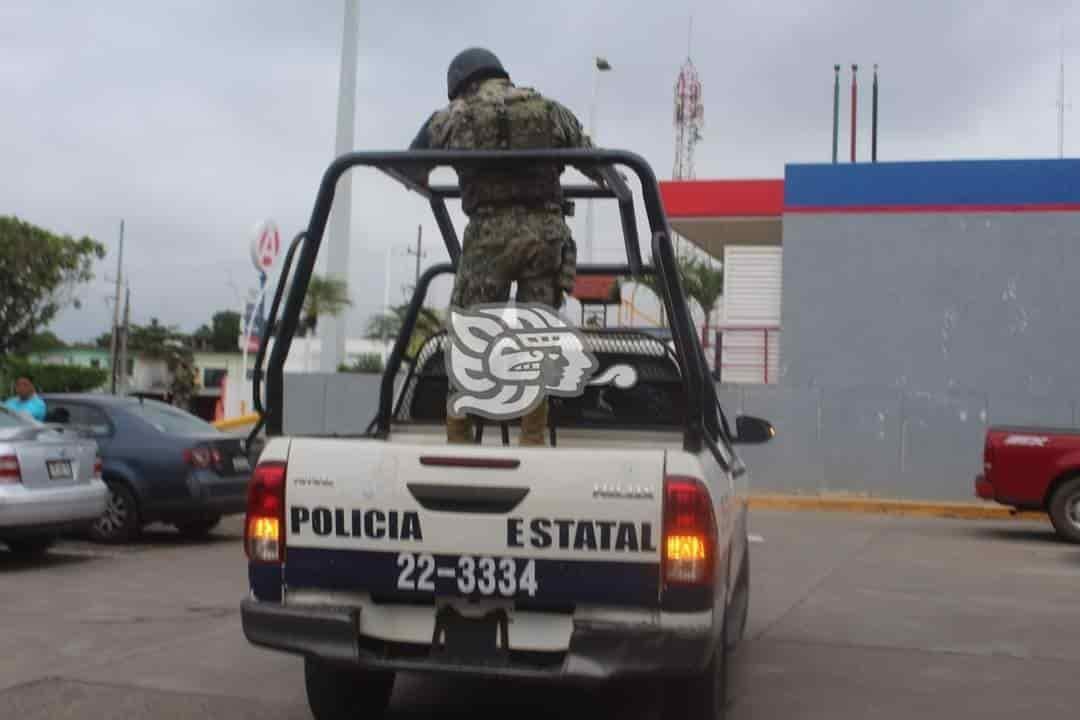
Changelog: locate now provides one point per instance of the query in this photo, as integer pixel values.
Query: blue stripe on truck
(264, 580)
(567, 582)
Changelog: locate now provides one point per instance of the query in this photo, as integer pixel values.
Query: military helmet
(472, 64)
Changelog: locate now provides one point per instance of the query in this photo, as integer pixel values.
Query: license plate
(241, 464)
(59, 469)
(484, 576)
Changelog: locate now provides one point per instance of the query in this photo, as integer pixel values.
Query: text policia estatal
(539, 533)
(580, 534)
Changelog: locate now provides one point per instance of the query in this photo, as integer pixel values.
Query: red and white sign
(248, 343)
(265, 246)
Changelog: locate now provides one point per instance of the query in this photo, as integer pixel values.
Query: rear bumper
(598, 650)
(983, 488)
(224, 495)
(23, 509)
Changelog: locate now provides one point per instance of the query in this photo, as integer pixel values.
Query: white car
(621, 551)
(50, 483)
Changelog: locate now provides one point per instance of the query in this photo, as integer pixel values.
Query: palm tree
(326, 297)
(386, 325)
(703, 282)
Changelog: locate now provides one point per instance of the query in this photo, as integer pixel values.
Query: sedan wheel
(120, 521)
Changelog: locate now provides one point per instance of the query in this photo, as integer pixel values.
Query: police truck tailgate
(409, 522)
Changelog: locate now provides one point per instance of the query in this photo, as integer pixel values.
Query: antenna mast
(689, 115)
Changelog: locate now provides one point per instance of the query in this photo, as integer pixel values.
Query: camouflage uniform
(516, 231)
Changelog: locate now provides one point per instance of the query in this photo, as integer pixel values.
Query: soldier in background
(516, 231)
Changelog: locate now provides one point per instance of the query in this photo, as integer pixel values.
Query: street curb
(237, 422)
(882, 506)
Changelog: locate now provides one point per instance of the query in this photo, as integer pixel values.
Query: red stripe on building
(723, 198)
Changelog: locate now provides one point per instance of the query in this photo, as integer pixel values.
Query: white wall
(149, 375)
(303, 358)
(752, 292)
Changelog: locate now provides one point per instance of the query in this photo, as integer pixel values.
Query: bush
(365, 363)
(52, 378)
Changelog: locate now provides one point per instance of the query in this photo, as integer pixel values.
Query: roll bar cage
(705, 422)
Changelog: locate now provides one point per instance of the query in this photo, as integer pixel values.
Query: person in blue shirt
(26, 400)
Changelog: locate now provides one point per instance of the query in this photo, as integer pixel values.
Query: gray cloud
(195, 120)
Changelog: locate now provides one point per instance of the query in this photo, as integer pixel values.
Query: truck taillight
(98, 466)
(689, 532)
(264, 526)
(10, 474)
(988, 454)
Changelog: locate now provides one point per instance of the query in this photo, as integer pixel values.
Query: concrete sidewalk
(976, 510)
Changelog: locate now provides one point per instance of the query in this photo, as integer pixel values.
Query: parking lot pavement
(851, 617)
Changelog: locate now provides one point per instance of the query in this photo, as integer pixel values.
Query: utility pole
(854, 106)
(835, 111)
(419, 253)
(873, 121)
(386, 310)
(123, 359)
(602, 65)
(332, 329)
(1061, 97)
(116, 309)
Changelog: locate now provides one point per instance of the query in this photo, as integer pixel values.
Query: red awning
(596, 289)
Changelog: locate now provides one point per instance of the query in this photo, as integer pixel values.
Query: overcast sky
(194, 120)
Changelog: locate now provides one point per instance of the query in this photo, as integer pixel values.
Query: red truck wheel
(1065, 510)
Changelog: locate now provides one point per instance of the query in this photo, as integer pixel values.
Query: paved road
(852, 617)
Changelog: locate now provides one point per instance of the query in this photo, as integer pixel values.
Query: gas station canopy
(715, 213)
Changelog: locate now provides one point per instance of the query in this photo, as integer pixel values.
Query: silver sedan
(50, 483)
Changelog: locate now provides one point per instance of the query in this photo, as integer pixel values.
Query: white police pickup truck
(620, 551)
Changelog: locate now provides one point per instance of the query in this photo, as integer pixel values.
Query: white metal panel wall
(752, 291)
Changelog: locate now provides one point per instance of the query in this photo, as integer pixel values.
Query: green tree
(42, 342)
(222, 333)
(388, 326)
(154, 340)
(326, 297)
(51, 378)
(167, 344)
(365, 363)
(39, 272)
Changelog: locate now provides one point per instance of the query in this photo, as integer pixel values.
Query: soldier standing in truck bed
(516, 231)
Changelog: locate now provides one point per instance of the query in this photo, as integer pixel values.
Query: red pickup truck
(1033, 468)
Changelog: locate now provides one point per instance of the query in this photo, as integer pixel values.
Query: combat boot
(534, 426)
(459, 430)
